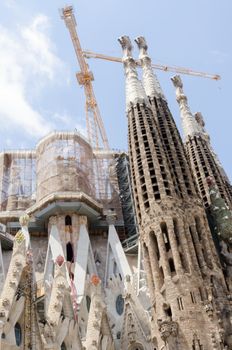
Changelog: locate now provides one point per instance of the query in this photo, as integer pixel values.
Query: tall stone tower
(203, 160)
(184, 275)
(213, 184)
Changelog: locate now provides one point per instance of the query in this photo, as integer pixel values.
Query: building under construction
(102, 249)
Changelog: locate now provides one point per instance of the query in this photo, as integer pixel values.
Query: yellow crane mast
(175, 69)
(85, 77)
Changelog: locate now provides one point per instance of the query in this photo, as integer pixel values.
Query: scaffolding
(17, 180)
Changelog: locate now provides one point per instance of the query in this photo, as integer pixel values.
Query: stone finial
(135, 93)
(126, 46)
(83, 220)
(189, 123)
(199, 118)
(142, 45)
(150, 82)
(177, 82)
(24, 220)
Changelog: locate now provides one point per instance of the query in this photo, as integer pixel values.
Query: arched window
(162, 275)
(63, 346)
(68, 220)
(69, 252)
(18, 334)
(176, 231)
(164, 230)
(154, 243)
(172, 266)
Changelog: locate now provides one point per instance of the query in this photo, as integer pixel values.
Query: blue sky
(38, 88)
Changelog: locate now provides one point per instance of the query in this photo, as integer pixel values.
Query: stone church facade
(141, 263)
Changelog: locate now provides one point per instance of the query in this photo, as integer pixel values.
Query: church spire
(189, 123)
(134, 90)
(150, 82)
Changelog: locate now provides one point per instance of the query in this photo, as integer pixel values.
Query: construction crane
(181, 70)
(85, 77)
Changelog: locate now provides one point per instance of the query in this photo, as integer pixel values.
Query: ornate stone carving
(168, 328)
(208, 306)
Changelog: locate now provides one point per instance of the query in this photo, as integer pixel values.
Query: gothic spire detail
(134, 90)
(189, 123)
(150, 82)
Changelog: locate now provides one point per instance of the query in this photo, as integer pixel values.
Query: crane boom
(85, 77)
(181, 70)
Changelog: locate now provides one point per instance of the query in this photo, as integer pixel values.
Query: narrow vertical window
(180, 303)
(172, 266)
(164, 230)
(155, 244)
(193, 297)
(69, 252)
(68, 224)
(18, 334)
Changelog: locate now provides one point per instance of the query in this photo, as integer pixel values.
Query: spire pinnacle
(150, 82)
(189, 123)
(134, 90)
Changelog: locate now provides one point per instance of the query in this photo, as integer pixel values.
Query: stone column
(154, 265)
(197, 245)
(193, 262)
(163, 254)
(185, 249)
(148, 270)
(174, 248)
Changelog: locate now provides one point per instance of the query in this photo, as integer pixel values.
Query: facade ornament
(167, 329)
(131, 329)
(208, 306)
(95, 280)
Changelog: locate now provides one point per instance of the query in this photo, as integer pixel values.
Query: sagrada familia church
(141, 263)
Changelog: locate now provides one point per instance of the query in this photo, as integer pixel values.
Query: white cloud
(27, 61)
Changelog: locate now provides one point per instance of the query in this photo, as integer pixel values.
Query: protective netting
(17, 180)
(62, 162)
